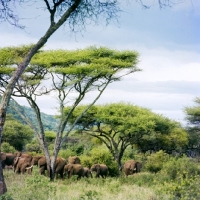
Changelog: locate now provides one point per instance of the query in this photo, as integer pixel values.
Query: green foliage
(86, 161)
(176, 167)
(66, 153)
(17, 134)
(102, 156)
(13, 55)
(6, 147)
(155, 161)
(183, 188)
(6, 197)
(49, 121)
(34, 147)
(193, 117)
(50, 136)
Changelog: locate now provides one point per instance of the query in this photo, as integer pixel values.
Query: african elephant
(26, 156)
(74, 169)
(74, 160)
(42, 164)
(22, 164)
(138, 166)
(59, 167)
(7, 159)
(100, 169)
(131, 167)
(40, 161)
(86, 172)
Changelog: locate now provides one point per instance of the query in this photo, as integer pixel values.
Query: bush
(6, 147)
(102, 156)
(66, 153)
(183, 188)
(176, 167)
(34, 148)
(86, 161)
(155, 161)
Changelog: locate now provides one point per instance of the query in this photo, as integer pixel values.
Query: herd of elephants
(24, 162)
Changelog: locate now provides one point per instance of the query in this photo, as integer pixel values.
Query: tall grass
(35, 186)
(178, 179)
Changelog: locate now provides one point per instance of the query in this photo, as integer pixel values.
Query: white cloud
(169, 54)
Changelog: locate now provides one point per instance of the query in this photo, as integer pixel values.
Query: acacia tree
(119, 125)
(70, 72)
(75, 12)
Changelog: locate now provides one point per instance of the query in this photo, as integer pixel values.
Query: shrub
(155, 161)
(66, 153)
(102, 156)
(34, 148)
(176, 167)
(86, 161)
(183, 188)
(6, 147)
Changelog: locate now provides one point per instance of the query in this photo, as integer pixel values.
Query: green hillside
(50, 123)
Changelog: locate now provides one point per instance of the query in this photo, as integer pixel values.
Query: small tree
(17, 134)
(120, 125)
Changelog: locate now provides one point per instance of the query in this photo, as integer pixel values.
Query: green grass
(34, 187)
(142, 186)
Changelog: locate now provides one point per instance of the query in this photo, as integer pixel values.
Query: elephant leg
(61, 174)
(17, 171)
(42, 170)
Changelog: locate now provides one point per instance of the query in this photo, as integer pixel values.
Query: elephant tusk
(29, 167)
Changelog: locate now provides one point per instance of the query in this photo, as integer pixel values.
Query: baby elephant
(86, 172)
(100, 169)
(74, 169)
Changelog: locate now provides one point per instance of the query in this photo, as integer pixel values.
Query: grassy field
(34, 187)
(178, 179)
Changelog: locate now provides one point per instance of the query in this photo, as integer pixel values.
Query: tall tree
(119, 125)
(71, 75)
(75, 13)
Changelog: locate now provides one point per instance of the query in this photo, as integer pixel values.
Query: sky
(167, 40)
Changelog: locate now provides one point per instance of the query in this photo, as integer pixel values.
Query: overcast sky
(168, 41)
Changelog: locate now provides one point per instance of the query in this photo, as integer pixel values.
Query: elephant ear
(3, 156)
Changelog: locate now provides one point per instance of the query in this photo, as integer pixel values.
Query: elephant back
(74, 160)
(42, 161)
(60, 163)
(27, 156)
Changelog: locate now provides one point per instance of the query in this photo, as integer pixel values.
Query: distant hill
(50, 123)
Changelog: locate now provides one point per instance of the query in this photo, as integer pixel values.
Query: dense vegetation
(177, 179)
(164, 175)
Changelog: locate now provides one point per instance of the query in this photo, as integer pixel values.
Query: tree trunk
(3, 188)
